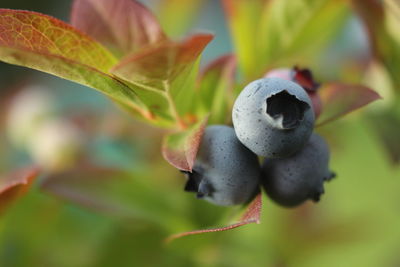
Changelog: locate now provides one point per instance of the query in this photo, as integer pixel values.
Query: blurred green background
(120, 218)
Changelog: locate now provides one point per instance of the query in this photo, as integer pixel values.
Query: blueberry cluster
(272, 118)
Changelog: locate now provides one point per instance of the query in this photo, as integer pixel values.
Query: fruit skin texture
(291, 181)
(273, 117)
(225, 172)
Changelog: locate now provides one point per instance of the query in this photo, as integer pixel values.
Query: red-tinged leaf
(31, 31)
(224, 65)
(339, 99)
(180, 149)
(216, 88)
(124, 26)
(158, 67)
(251, 215)
(44, 43)
(15, 184)
(166, 72)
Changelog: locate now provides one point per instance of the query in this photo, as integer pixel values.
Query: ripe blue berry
(225, 172)
(273, 117)
(293, 180)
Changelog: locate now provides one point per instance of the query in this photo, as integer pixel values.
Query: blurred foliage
(120, 214)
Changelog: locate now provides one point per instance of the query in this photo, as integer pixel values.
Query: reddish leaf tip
(16, 184)
(20, 177)
(180, 149)
(252, 215)
(228, 59)
(340, 99)
(124, 26)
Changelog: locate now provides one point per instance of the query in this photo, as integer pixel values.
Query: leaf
(31, 31)
(14, 185)
(215, 88)
(124, 26)
(177, 16)
(161, 74)
(312, 32)
(244, 18)
(269, 33)
(251, 215)
(180, 149)
(44, 43)
(339, 99)
(300, 31)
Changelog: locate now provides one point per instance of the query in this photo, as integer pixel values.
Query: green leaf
(124, 26)
(180, 149)
(339, 99)
(44, 43)
(295, 31)
(251, 215)
(161, 74)
(215, 88)
(177, 16)
(244, 19)
(268, 33)
(15, 184)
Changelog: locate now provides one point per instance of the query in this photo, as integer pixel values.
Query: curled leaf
(180, 149)
(124, 26)
(339, 99)
(251, 215)
(15, 184)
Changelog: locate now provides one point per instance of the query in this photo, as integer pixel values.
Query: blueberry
(305, 79)
(225, 172)
(293, 180)
(273, 117)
